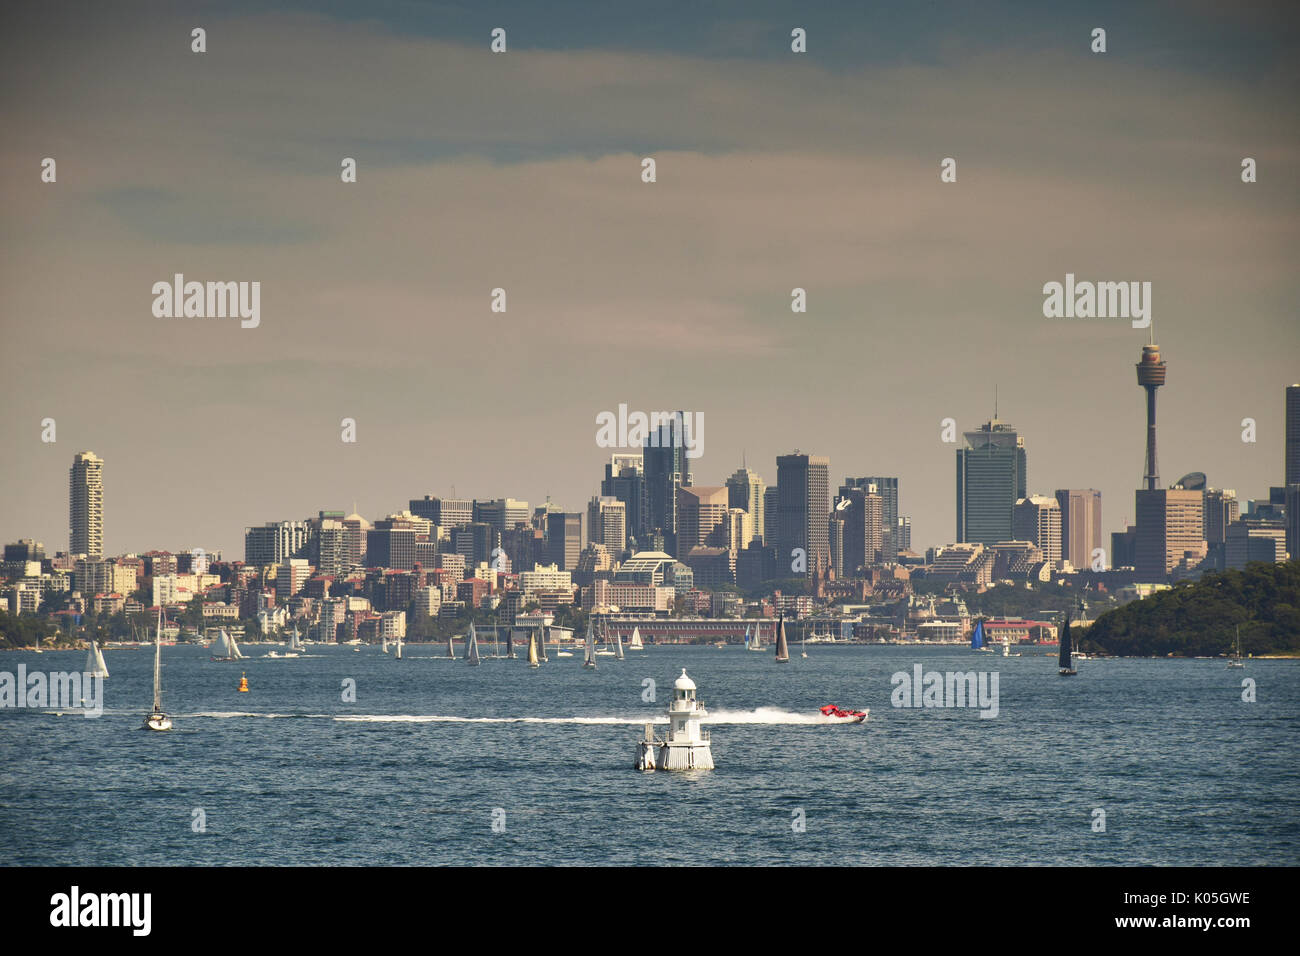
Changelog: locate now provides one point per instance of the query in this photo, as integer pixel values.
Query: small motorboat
(857, 716)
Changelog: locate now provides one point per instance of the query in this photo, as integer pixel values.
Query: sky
(522, 171)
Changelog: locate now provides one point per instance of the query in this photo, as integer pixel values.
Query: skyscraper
(887, 488)
(803, 510)
(666, 470)
(564, 539)
(1080, 525)
(990, 480)
(745, 489)
(1292, 465)
(701, 511)
(861, 508)
(86, 505)
(1170, 523)
(1038, 519)
(625, 480)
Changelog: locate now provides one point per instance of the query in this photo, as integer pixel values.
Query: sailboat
(746, 637)
(397, 651)
(977, 637)
(1066, 664)
(803, 643)
(541, 645)
(532, 651)
(589, 659)
(384, 644)
(1236, 660)
(471, 648)
(782, 651)
(224, 647)
(604, 641)
(95, 665)
(636, 644)
(295, 645)
(756, 643)
(451, 649)
(618, 645)
(157, 720)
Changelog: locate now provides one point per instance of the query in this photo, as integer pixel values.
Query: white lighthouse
(687, 744)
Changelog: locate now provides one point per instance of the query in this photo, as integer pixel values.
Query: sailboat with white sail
(1236, 660)
(589, 656)
(471, 647)
(157, 720)
(451, 648)
(635, 644)
(224, 647)
(618, 645)
(605, 650)
(782, 650)
(533, 660)
(397, 651)
(756, 642)
(803, 642)
(95, 665)
(384, 644)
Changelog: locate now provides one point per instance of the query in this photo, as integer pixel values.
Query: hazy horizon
(522, 171)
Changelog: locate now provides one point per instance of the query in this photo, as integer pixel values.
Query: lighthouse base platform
(684, 756)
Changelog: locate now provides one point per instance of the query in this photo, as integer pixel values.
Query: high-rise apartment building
(803, 510)
(990, 480)
(275, 541)
(607, 524)
(86, 505)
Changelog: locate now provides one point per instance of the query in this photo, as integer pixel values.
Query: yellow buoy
(243, 684)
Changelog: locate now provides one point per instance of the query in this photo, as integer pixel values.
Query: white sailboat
(384, 644)
(471, 650)
(635, 644)
(589, 657)
(157, 720)
(224, 647)
(782, 650)
(451, 649)
(756, 642)
(605, 650)
(618, 645)
(803, 642)
(397, 651)
(1236, 660)
(95, 665)
(532, 650)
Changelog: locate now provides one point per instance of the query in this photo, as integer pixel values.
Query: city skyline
(922, 296)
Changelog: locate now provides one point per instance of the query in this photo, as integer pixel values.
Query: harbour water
(433, 752)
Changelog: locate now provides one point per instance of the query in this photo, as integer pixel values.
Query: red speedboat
(830, 710)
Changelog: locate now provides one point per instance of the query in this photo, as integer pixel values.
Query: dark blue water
(1185, 771)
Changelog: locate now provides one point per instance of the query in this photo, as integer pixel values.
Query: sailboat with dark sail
(1066, 662)
(782, 649)
(157, 720)
(589, 655)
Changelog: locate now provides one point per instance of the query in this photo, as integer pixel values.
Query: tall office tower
(625, 480)
(666, 471)
(607, 524)
(745, 489)
(275, 541)
(803, 507)
(1151, 375)
(391, 544)
(865, 536)
(835, 541)
(564, 539)
(701, 511)
(904, 534)
(771, 507)
(1292, 464)
(1170, 523)
(990, 480)
(355, 529)
(501, 513)
(737, 530)
(1255, 539)
(475, 542)
(444, 512)
(1221, 510)
(887, 488)
(1080, 525)
(1038, 519)
(86, 505)
(525, 547)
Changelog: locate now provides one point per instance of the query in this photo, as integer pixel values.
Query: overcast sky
(522, 171)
